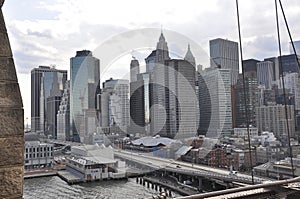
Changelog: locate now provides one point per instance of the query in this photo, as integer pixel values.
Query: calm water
(54, 187)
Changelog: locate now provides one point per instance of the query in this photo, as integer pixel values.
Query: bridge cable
(283, 84)
(245, 93)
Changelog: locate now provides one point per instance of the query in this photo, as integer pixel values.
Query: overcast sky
(49, 32)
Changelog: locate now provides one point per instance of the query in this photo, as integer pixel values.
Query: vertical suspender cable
(289, 32)
(284, 95)
(245, 93)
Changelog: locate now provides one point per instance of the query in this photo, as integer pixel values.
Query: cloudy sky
(49, 32)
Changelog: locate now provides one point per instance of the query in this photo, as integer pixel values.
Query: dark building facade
(250, 65)
(251, 100)
(53, 103)
(140, 104)
(45, 82)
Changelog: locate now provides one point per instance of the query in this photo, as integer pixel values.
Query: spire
(189, 56)
(162, 37)
(162, 51)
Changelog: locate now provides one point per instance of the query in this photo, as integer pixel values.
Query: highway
(186, 168)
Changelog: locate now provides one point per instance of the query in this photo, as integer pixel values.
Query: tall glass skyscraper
(47, 85)
(85, 77)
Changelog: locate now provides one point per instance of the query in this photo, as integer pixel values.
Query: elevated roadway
(185, 168)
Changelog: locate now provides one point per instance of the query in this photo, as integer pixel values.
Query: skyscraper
(181, 99)
(250, 65)
(224, 54)
(172, 92)
(251, 100)
(265, 73)
(215, 102)
(114, 101)
(272, 118)
(63, 115)
(155, 65)
(139, 100)
(85, 77)
(47, 85)
(134, 70)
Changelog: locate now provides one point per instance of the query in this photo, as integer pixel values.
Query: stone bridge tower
(11, 122)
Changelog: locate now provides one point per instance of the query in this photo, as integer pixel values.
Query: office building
(265, 73)
(181, 99)
(251, 100)
(155, 65)
(250, 65)
(134, 70)
(215, 102)
(172, 92)
(63, 115)
(37, 154)
(140, 104)
(84, 83)
(273, 118)
(289, 63)
(292, 84)
(224, 54)
(114, 101)
(47, 85)
(275, 67)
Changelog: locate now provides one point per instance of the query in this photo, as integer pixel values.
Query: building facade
(172, 92)
(37, 154)
(224, 54)
(265, 73)
(140, 104)
(63, 115)
(272, 118)
(215, 102)
(114, 101)
(84, 83)
(46, 82)
(251, 100)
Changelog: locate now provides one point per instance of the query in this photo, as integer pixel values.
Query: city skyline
(202, 127)
(39, 37)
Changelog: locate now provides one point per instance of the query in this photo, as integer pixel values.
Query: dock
(39, 173)
(69, 177)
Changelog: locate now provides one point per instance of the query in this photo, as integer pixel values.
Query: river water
(54, 187)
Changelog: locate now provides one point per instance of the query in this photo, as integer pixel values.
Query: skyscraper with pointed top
(172, 92)
(189, 56)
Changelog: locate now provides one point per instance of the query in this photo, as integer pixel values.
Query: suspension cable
(245, 94)
(283, 85)
(290, 35)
